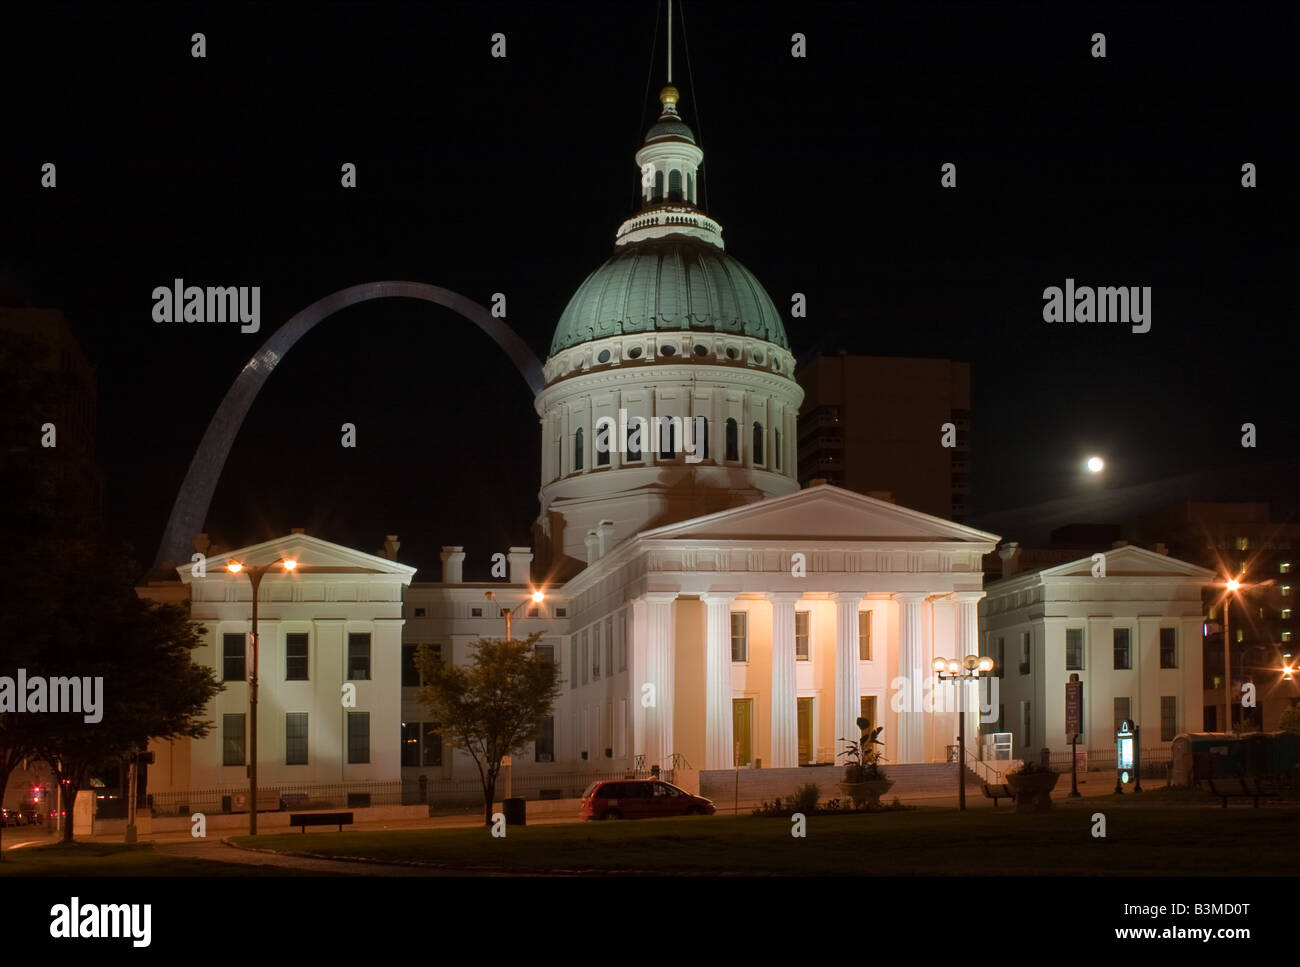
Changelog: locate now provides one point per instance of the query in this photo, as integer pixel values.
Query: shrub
(804, 799)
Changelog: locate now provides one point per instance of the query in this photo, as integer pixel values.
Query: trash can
(515, 810)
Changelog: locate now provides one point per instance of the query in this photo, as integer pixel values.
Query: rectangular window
(1123, 707)
(864, 636)
(1074, 649)
(295, 738)
(1002, 655)
(419, 612)
(1168, 647)
(573, 663)
(358, 737)
(561, 612)
(546, 653)
(295, 657)
(232, 739)
(410, 671)
(432, 742)
(801, 624)
(234, 649)
(359, 657)
(544, 746)
(1123, 651)
(410, 743)
(1025, 645)
(595, 652)
(609, 646)
(586, 655)
(476, 612)
(622, 644)
(1168, 717)
(739, 636)
(1026, 725)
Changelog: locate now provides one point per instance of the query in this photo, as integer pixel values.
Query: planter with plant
(1032, 785)
(864, 781)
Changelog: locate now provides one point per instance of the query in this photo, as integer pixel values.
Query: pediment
(825, 513)
(313, 554)
(1131, 561)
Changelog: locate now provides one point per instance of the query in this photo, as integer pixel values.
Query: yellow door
(742, 717)
(805, 731)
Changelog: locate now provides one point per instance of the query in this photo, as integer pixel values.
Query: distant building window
(359, 657)
(1284, 568)
(432, 742)
(1286, 636)
(739, 636)
(1123, 651)
(1168, 717)
(1168, 648)
(410, 744)
(864, 636)
(1123, 711)
(577, 449)
(233, 654)
(359, 737)
(295, 738)
(1074, 649)
(410, 671)
(544, 744)
(801, 623)
(561, 612)
(1243, 543)
(232, 739)
(733, 439)
(1286, 590)
(295, 657)
(476, 612)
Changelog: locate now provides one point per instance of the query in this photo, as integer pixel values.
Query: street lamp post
(1232, 584)
(537, 597)
(960, 672)
(255, 578)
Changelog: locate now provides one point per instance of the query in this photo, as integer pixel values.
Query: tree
(1290, 720)
(493, 706)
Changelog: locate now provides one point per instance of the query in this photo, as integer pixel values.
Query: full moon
(1095, 464)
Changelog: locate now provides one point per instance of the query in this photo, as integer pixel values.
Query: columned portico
(848, 702)
(659, 674)
(913, 674)
(785, 724)
(719, 742)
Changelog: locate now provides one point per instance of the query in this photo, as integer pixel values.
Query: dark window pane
(1168, 648)
(295, 657)
(359, 657)
(410, 673)
(295, 738)
(544, 747)
(410, 743)
(358, 737)
(432, 745)
(233, 651)
(232, 739)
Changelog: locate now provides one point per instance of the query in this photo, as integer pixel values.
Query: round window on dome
(668, 350)
(701, 350)
(603, 357)
(634, 352)
(732, 353)
(758, 358)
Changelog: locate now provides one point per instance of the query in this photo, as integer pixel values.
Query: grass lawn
(112, 859)
(1141, 840)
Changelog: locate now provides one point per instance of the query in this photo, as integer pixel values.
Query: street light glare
(1233, 584)
(234, 567)
(290, 564)
(1095, 464)
(538, 596)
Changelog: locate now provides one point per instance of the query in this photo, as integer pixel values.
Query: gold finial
(668, 97)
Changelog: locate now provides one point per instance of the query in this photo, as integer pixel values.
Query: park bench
(1242, 787)
(304, 820)
(999, 790)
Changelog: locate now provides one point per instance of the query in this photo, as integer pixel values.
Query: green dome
(666, 128)
(669, 285)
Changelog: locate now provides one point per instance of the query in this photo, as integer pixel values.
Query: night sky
(484, 175)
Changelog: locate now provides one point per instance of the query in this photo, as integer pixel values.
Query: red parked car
(640, 799)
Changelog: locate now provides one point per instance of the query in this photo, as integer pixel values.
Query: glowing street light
(968, 669)
(537, 597)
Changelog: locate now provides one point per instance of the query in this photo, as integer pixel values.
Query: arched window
(577, 449)
(703, 442)
(776, 448)
(675, 185)
(733, 439)
(604, 431)
(635, 434)
(758, 442)
(690, 187)
(668, 438)
(659, 187)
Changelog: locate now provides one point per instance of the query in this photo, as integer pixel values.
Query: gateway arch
(191, 507)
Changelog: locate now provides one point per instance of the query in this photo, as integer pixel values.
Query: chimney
(297, 530)
(1116, 544)
(604, 537)
(817, 482)
(592, 540)
(886, 495)
(202, 543)
(520, 558)
(1162, 548)
(453, 565)
(389, 550)
(1010, 554)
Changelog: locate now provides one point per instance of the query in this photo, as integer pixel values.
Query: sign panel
(1073, 708)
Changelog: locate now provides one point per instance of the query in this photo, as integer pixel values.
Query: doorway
(742, 721)
(805, 731)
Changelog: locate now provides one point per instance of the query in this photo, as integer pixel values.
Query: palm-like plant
(863, 758)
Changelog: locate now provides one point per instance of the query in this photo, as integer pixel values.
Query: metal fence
(403, 792)
(1153, 763)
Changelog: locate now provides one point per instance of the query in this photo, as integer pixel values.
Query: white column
(785, 704)
(911, 655)
(638, 645)
(848, 700)
(967, 640)
(718, 740)
(659, 673)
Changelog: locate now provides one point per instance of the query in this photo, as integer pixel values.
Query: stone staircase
(752, 786)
